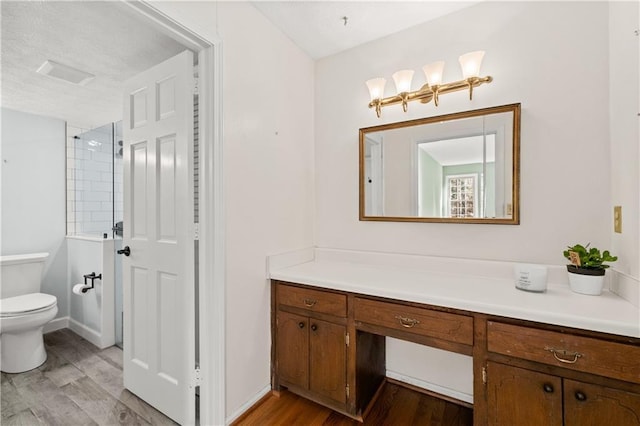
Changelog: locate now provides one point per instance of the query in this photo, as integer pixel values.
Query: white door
(158, 275)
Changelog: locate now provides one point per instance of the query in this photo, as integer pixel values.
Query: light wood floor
(396, 406)
(77, 385)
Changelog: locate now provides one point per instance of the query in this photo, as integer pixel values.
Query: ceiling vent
(65, 72)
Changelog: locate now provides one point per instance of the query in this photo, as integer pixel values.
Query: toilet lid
(27, 303)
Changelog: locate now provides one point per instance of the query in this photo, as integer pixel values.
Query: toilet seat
(26, 304)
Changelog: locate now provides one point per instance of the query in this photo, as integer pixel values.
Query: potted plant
(587, 268)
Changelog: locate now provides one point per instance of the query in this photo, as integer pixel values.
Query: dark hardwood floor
(79, 384)
(396, 406)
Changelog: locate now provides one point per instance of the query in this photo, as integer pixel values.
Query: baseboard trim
(56, 324)
(431, 387)
(86, 333)
(249, 405)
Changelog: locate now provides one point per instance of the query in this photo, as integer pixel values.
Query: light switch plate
(617, 219)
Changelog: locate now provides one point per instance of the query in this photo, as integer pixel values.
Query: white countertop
(607, 313)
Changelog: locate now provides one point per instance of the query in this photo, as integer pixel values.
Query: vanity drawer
(422, 321)
(313, 300)
(604, 358)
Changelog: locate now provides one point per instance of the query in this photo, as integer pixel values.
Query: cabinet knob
(548, 387)
(314, 327)
(581, 396)
(301, 324)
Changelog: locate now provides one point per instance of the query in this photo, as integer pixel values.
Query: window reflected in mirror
(456, 168)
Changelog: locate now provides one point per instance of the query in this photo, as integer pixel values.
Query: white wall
(550, 57)
(551, 69)
(92, 314)
(625, 139)
(268, 157)
(33, 195)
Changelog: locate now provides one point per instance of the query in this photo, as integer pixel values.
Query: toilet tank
(21, 274)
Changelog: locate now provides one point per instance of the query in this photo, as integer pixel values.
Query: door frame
(211, 236)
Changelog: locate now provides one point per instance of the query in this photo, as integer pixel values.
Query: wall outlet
(617, 219)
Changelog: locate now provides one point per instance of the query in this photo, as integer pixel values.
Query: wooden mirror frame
(515, 169)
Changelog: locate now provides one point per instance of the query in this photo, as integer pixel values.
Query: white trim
(461, 396)
(211, 246)
(376, 171)
(87, 333)
(87, 238)
(56, 324)
(169, 26)
(625, 286)
(415, 183)
(290, 258)
(211, 239)
(247, 405)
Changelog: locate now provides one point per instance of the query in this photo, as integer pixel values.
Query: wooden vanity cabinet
(516, 396)
(559, 387)
(310, 344)
(329, 346)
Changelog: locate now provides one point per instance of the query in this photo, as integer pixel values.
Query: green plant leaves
(590, 258)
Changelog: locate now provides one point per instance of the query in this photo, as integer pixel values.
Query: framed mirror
(454, 168)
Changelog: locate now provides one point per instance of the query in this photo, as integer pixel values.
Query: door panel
(516, 396)
(158, 278)
(293, 349)
(588, 404)
(327, 359)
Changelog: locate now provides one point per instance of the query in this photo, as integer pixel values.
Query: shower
(95, 194)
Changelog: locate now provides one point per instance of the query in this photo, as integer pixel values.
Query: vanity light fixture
(469, 62)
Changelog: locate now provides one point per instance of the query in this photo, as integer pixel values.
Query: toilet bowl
(23, 312)
(21, 321)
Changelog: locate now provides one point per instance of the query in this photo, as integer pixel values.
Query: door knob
(126, 251)
(580, 396)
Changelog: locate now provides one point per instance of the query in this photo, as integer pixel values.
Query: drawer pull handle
(309, 302)
(581, 396)
(407, 322)
(564, 354)
(548, 387)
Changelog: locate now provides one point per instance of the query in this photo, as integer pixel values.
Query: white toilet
(23, 312)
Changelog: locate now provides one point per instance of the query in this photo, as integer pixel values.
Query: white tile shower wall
(118, 175)
(91, 201)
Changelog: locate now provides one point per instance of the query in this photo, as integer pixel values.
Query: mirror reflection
(456, 168)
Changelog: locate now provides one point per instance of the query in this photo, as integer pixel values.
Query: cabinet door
(327, 358)
(293, 349)
(587, 404)
(516, 396)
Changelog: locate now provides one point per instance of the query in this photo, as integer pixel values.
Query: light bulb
(376, 88)
(433, 73)
(403, 80)
(470, 63)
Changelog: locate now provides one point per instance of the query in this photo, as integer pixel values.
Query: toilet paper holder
(92, 276)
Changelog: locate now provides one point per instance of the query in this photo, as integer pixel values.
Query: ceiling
(102, 38)
(108, 40)
(318, 27)
(465, 150)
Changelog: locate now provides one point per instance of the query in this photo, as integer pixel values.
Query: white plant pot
(586, 284)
